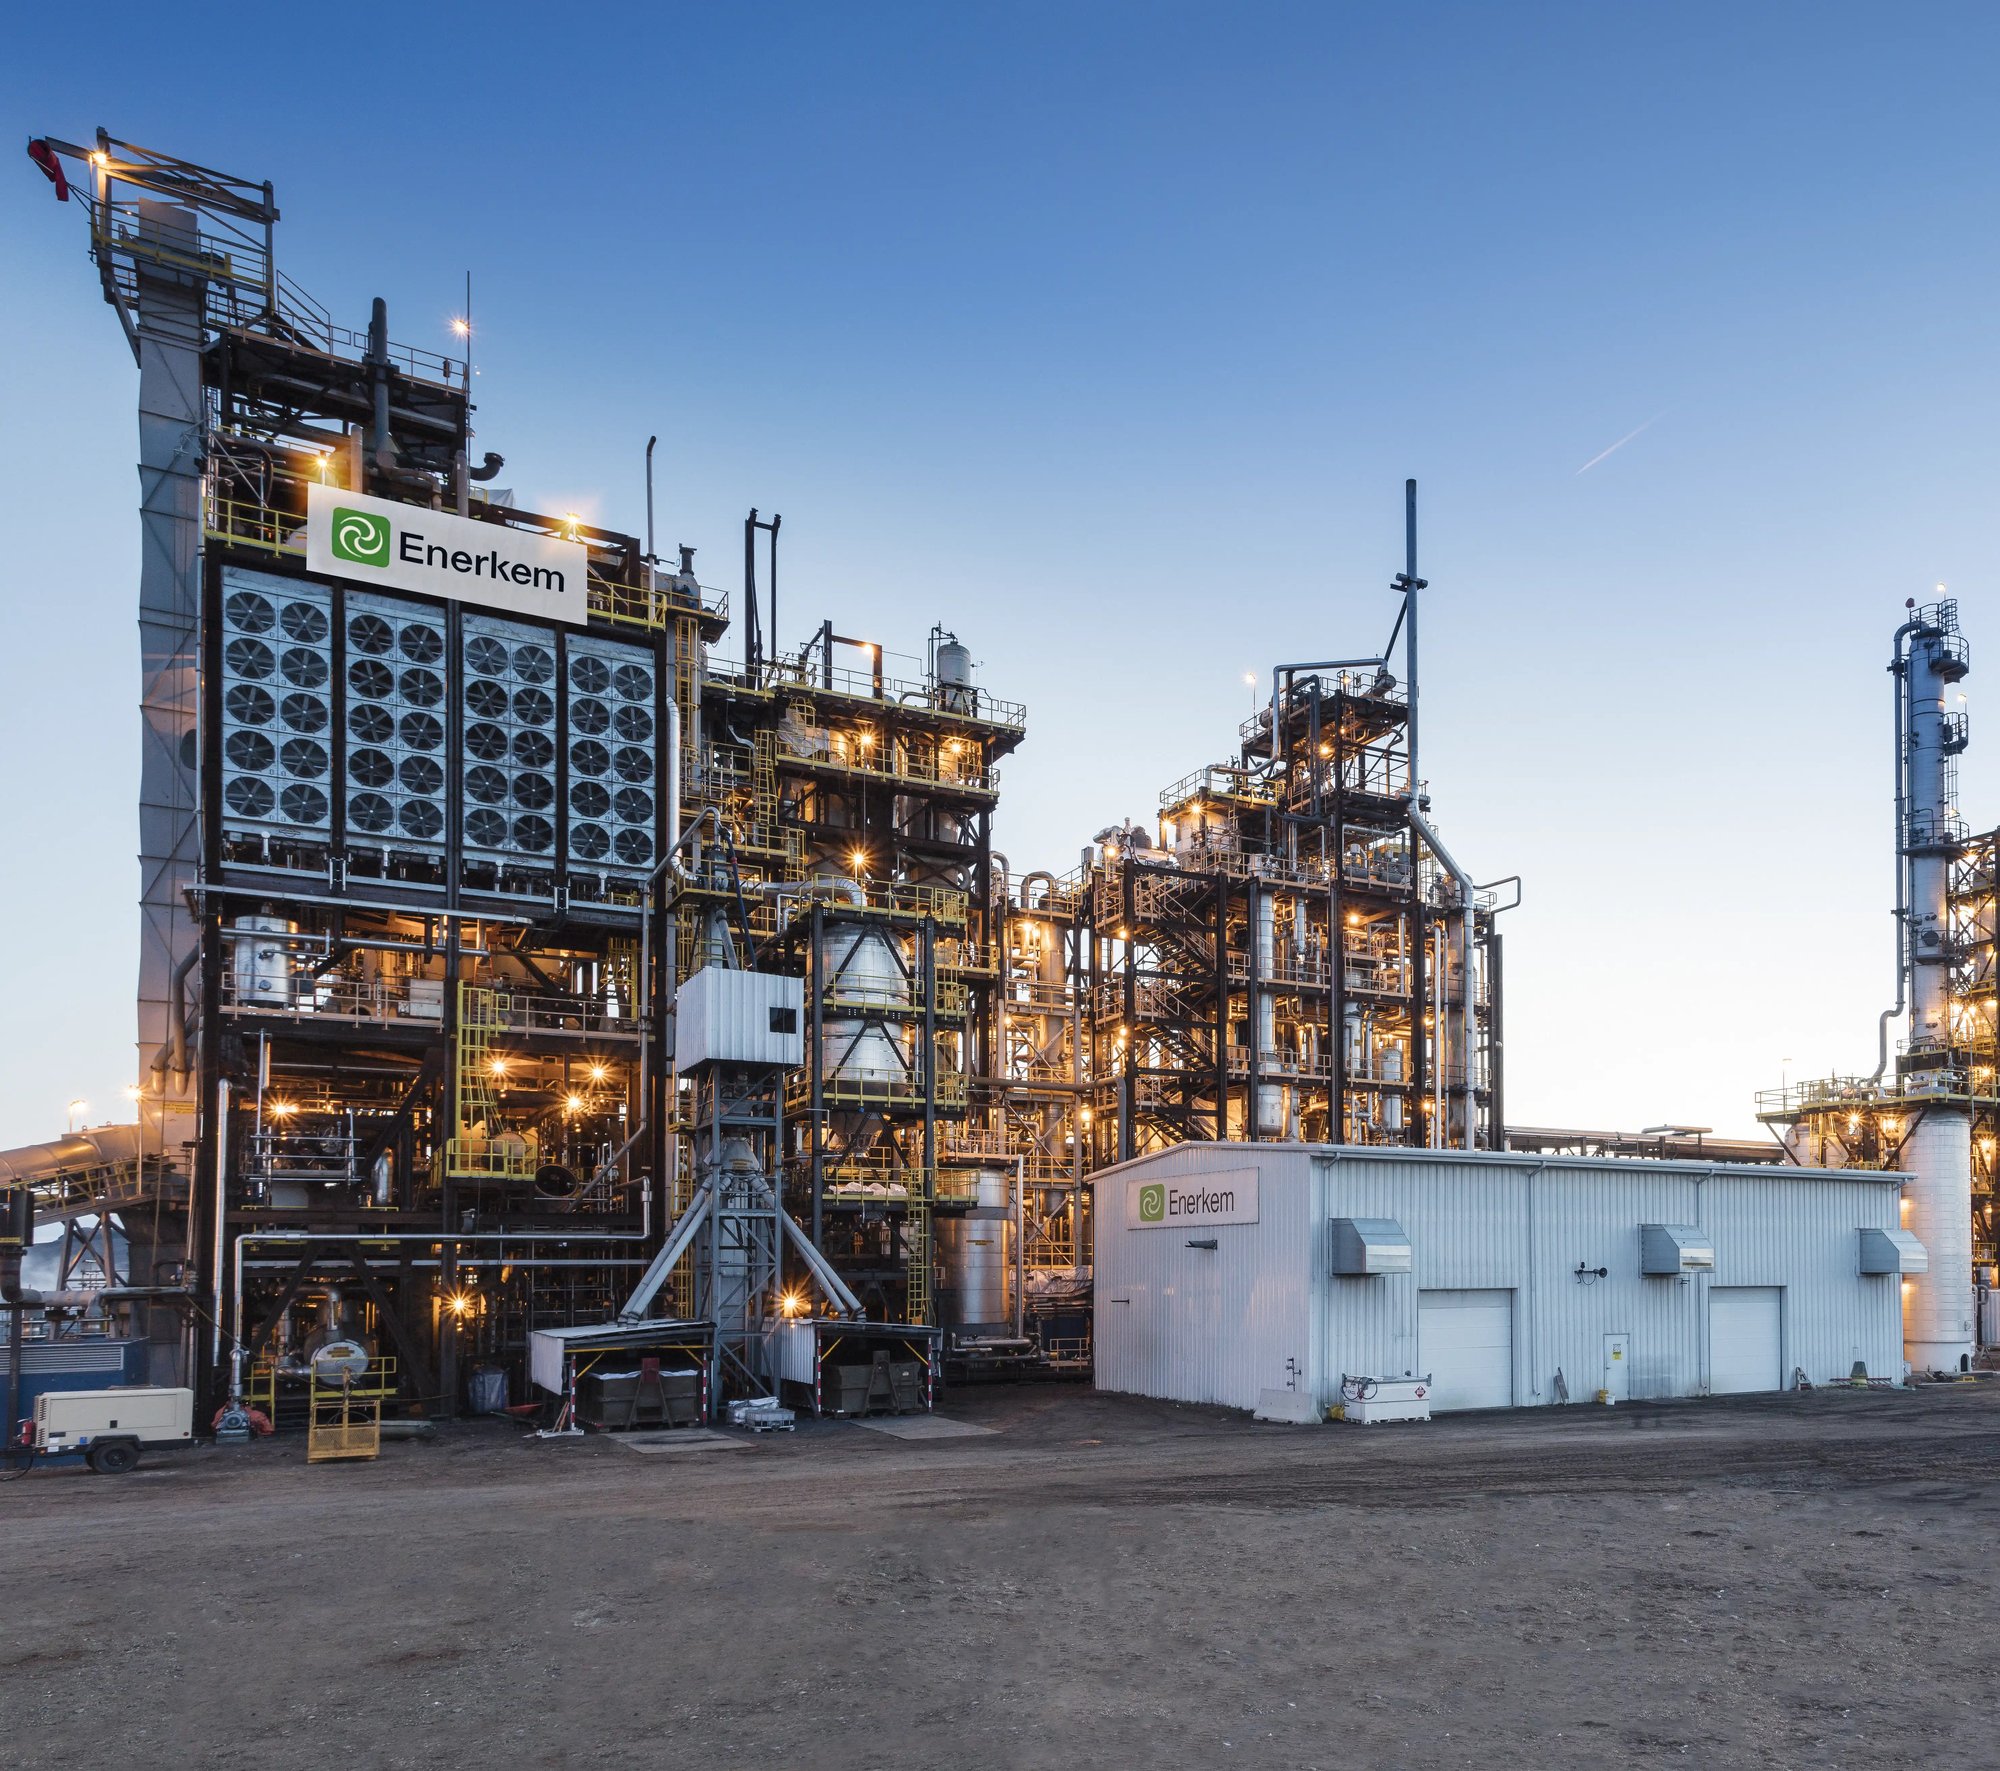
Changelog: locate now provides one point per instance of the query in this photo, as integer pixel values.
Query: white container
(73, 1420)
(1379, 1399)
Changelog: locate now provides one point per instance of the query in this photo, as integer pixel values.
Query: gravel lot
(1095, 1582)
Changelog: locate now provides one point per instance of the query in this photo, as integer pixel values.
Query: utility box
(1893, 1251)
(723, 1016)
(1666, 1250)
(111, 1427)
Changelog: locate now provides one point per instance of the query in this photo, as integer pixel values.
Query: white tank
(1938, 1330)
(261, 969)
(860, 964)
(954, 677)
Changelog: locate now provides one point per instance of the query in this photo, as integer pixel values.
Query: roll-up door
(1465, 1340)
(1743, 1346)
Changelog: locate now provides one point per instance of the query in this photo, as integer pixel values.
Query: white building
(1225, 1271)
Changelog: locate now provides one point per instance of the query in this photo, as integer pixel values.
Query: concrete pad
(675, 1439)
(922, 1426)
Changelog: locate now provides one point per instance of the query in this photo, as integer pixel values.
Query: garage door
(1465, 1340)
(1743, 1339)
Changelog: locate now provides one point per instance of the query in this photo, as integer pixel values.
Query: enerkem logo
(436, 553)
(1192, 1200)
(358, 536)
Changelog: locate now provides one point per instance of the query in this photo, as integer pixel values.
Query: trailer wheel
(114, 1459)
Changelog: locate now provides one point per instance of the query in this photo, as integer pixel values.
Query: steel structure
(1291, 952)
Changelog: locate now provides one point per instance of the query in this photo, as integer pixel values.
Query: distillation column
(1937, 1155)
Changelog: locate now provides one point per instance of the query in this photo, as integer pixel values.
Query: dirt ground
(1095, 1582)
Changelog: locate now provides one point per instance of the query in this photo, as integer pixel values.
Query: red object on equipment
(50, 162)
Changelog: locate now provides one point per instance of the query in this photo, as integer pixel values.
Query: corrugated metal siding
(1481, 1222)
(1196, 1325)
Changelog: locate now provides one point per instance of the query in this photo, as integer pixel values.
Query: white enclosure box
(69, 1420)
(722, 1016)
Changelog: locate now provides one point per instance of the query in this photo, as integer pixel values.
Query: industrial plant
(571, 987)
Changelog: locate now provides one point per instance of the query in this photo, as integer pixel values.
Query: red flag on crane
(50, 162)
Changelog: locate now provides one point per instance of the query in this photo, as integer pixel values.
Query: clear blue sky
(1107, 334)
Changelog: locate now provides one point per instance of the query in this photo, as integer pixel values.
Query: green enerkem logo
(359, 536)
(1152, 1203)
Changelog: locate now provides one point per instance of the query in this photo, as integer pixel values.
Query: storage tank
(859, 963)
(975, 1257)
(261, 967)
(1938, 1330)
(954, 676)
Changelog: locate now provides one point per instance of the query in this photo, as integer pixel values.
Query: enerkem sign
(1191, 1201)
(407, 547)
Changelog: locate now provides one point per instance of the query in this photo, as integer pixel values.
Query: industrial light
(133, 1092)
(792, 1303)
(1250, 677)
(460, 326)
(98, 157)
(498, 1066)
(281, 1109)
(598, 1073)
(867, 740)
(459, 1304)
(571, 522)
(574, 1104)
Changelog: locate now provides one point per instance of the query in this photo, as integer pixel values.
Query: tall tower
(1936, 1150)
(1915, 1114)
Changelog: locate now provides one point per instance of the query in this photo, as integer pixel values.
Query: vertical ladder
(481, 1014)
(764, 789)
(917, 1248)
(687, 688)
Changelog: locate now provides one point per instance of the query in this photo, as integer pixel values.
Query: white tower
(1936, 1151)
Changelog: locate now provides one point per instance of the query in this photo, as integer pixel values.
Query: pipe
(221, 1223)
(679, 1240)
(1020, 1248)
(1409, 583)
(1463, 881)
(378, 375)
(1899, 673)
(651, 556)
(830, 1282)
(174, 1052)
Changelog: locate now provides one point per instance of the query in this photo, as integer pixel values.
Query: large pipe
(1467, 894)
(651, 556)
(378, 375)
(1898, 672)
